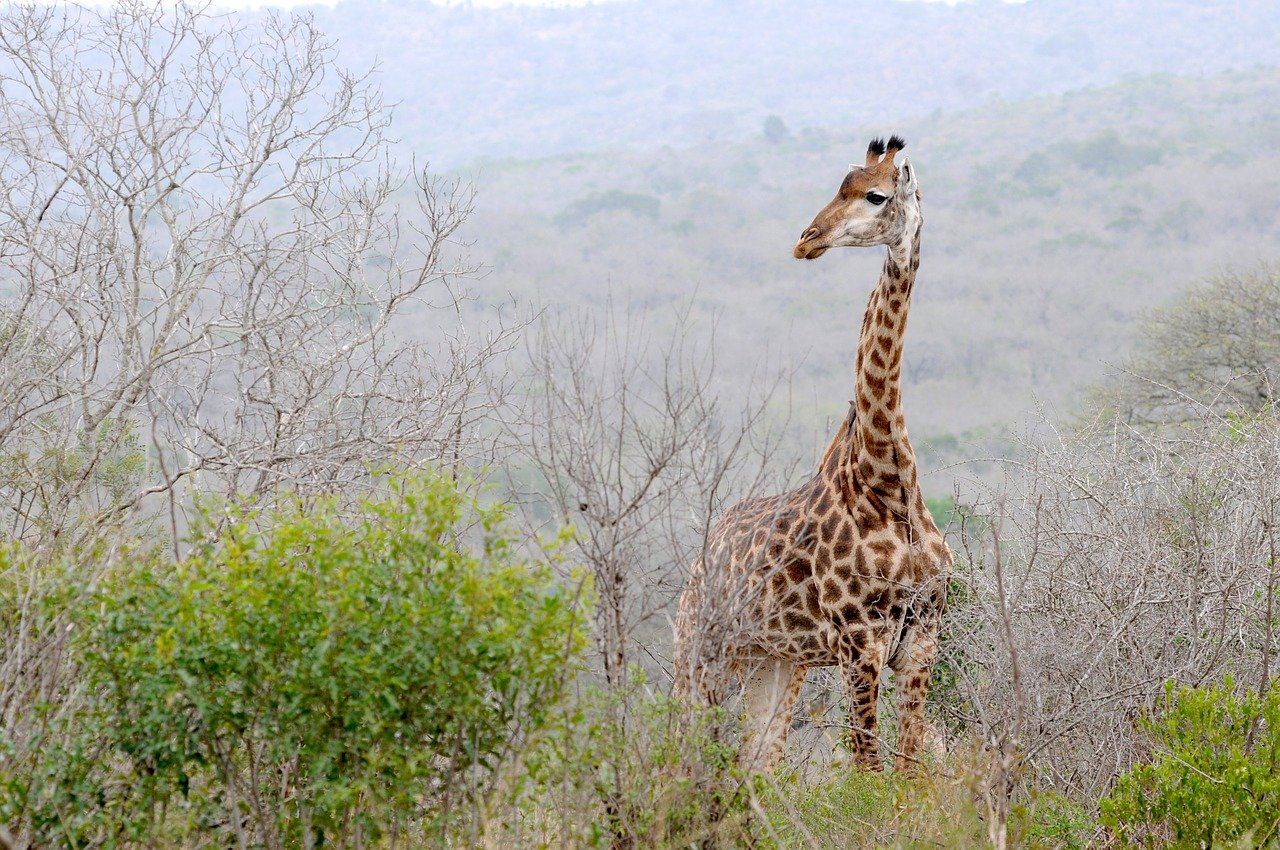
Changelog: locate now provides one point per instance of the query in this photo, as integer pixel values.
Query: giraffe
(849, 569)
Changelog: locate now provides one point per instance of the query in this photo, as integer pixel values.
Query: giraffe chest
(838, 577)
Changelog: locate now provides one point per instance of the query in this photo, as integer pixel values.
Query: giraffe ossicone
(848, 569)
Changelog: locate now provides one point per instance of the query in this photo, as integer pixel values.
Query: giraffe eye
(876, 198)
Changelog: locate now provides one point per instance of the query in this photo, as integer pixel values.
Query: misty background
(1080, 162)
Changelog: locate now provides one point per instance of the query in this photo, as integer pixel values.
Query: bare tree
(1123, 560)
(633, 448)
(205, 262)
(202, 260)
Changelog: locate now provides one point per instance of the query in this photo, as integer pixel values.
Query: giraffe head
(872, 207)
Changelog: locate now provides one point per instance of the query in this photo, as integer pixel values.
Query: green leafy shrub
(1214, 779)
(311, 676)
(942, 509)
(1052, 820)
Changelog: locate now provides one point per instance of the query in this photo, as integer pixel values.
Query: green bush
(309, 676)
(1214, 779)
(1052, 820)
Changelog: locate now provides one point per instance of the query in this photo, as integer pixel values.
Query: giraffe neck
(885, 462)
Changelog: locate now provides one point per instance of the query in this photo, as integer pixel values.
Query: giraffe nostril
(809, 234)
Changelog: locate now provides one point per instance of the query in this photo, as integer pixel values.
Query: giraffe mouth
(809, 252)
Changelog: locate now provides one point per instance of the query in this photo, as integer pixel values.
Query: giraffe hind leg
(770, 688)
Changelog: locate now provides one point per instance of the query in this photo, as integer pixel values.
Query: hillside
(474, 81)
(1051, 225)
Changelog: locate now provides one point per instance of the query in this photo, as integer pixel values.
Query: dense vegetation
(304, 676)
(1212, 780)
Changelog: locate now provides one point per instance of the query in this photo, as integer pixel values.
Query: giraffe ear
(906, 176)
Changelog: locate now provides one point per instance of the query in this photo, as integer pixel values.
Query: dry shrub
(1122, 560)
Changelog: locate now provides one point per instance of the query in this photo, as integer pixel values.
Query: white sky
(288, 4)
(254, 4)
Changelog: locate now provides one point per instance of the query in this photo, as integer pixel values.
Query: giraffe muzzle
(806, 249)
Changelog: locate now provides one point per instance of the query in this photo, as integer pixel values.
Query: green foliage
(1051, 820)
(321, 674)
(942, 509)
(1214, 779)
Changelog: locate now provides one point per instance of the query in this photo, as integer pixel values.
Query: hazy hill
(1051, 224)
(535, 81)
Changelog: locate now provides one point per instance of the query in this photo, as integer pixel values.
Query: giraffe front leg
(770, 688)
(912, 670)
(862, 659)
